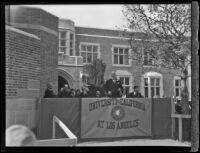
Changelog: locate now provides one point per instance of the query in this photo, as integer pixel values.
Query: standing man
(113, 86)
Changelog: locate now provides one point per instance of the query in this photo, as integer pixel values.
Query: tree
(95, 71)
(170, 26)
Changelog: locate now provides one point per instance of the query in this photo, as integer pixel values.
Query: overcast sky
(100, 16)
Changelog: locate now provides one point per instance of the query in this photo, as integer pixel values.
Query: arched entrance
(64, 78)
(61, 82)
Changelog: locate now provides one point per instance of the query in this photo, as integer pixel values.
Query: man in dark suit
(113, 86)
(135, 93)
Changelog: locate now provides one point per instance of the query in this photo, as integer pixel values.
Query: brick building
(31, 61)
(113, 48)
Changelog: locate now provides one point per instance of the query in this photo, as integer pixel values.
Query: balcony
(69, 60)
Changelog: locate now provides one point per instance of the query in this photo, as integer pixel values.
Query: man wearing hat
(113, 86)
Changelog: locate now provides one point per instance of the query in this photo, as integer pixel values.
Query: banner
(117, 117)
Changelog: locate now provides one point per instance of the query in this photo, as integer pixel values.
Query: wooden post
(180, 123)
(173, 119)
(54, 128)
(180, 129)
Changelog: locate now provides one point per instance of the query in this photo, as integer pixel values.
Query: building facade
(113, 47)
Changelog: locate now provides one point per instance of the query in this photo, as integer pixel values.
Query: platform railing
(180, 118)
(70, 141)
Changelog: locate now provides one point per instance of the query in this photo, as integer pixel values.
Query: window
(89, 52)
(62, 41)
(177, 87)
(120, 55)
(148, 57)
(146, 88)
(125, 83)
(85, 79)
(66, 42)
(71, 44)
(152, 85)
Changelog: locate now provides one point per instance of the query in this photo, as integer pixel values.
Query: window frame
(113, 54)
(67, 46)
(179, 87)
(148, 76)
(148, 57)
(92, 53)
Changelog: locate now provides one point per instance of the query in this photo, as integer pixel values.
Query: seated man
(85, 92)
(66, 91)
(78, 93)
(98, 94)
(135, 93)
(112, 86)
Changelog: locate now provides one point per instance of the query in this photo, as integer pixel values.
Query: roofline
(35, 7)
(102, 28)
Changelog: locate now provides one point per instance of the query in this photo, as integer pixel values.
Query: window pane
(126, 59)
(146, 81)
(83, 48)
(71, 36)
(63, 49)
(94, 56)
(116, 50)
(71, 52)
(84, 57)
(71, 44)
(120, 51)
(152, 92)
(94, 48)
(122, 80)
(89, 48)
(63, 34)
(158, 91)
(89, 57)
(63, 42)
(146, 92)
(115, 59)
(177, 83)
(145, 60)
(84, 79)
(126, 51)
(177, 92)
(157, 82)
(126, 81)
(152, 81)
(121, 59)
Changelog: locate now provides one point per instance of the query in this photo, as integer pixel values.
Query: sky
(99, 16)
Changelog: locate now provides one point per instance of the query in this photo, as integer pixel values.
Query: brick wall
(22, 64)
(106, 43)
(45, 26)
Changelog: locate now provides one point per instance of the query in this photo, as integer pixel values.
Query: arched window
(152, 85)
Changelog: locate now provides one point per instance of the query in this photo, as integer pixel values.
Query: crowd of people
(112, 88)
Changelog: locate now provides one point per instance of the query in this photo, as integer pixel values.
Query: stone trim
(34, 26)
(21, 32)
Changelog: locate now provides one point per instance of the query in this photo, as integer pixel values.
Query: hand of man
(109, 93)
